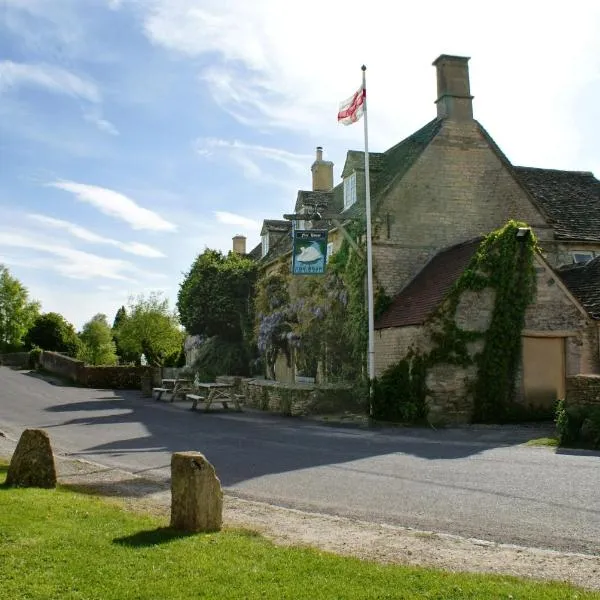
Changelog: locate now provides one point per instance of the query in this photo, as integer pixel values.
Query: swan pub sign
(310, 252)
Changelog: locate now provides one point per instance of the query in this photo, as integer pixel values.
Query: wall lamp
(523, 232)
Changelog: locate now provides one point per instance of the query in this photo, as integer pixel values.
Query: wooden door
(543, 370)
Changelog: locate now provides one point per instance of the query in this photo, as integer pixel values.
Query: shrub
(578, 426)
(400, 393)
(35, 355)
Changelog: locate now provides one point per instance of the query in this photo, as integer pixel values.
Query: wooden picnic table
(216, 392)
(173, 387)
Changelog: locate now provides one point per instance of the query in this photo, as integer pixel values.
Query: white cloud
(259, 163)
(228, 218)
(89, 236)
(289, 64)
(74, 264)
(49, 77)
(117, 205)
(102, 124)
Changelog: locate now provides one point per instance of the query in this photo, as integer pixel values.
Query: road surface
(472, 482)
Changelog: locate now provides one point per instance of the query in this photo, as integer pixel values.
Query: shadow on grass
(153, 537)
(136, 488)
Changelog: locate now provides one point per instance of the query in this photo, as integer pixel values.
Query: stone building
(434, 195)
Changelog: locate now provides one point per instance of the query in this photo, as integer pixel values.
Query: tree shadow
(153, 537)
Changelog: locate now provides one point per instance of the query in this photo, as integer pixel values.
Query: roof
(313, 198)
(275, 225)
(571, 199)
(583, 281)
(256, 252)
(355, 160)
(422, 296)
(392, 164)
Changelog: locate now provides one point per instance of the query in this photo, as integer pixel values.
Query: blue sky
(134, 133)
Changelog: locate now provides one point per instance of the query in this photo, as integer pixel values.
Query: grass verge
(543, 441)
(59, 544)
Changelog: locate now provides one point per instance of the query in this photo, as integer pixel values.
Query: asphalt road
(473, 482)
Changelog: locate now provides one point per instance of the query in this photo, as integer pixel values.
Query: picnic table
(173, 387)
(215, 392)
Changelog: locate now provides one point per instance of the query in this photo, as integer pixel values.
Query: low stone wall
(15, 359)
(125, 377)
(119, 378)
(583, 390)
(299, 399)
(62, 365)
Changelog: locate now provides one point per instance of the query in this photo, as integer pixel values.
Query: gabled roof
(392, 165)
(273, 225)
(311, 198)
(583, 281)
(422, 296)
(256, 252)
(355, 161)
(571, 199)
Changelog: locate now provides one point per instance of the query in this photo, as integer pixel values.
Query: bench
(195, 399)
(160, 392)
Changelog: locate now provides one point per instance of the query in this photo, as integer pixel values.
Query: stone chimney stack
(454, 95)
(239, 244)
(322, 173)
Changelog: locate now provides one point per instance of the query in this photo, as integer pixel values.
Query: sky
(136, 133)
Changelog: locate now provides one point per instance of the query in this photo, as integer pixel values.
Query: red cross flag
(351, 110)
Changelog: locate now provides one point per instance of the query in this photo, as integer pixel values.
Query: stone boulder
(196, 494)
(32, 464)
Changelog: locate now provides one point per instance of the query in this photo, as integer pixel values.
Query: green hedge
(578, 426)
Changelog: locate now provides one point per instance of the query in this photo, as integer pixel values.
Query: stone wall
(457, 189)
(15, 359)
(393, 343)
(62, 365)
(298, 399)
(125, 377)
(583, 390)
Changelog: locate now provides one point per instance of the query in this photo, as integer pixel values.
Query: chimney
(454, 95)
(239, 244)
(322, 173)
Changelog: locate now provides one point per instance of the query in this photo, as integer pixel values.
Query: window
(265, 244)
(580, 257)
(349, 191)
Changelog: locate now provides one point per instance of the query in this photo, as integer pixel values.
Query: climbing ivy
(322, 318)
(504, 263)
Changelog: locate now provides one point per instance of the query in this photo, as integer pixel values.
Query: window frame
(350, 193)
(265, 243)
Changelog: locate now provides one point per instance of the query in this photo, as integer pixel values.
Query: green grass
(543, 441)
(56, 544)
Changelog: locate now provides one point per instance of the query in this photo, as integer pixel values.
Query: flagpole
(371, 311)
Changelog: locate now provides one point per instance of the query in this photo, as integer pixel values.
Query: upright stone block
(196, 494)
(32, 463)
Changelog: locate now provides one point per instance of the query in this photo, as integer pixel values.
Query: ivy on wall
(504, 263)
(321, 318)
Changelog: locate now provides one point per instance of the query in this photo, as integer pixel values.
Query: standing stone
(196, 495)
(32, 463)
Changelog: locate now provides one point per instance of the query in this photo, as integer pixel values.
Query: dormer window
(265, 244)
(349, 190)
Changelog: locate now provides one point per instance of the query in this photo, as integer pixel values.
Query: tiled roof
(355, 161)
(310, 198)
(583, 281)
(571, 199)
(256, 252)
(275, 225)
(420, 298)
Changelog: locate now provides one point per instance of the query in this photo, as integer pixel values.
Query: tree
(51, 331)
(215, 297)
(97, 344)
(152, 329)
(17, 312)
(123, 355)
